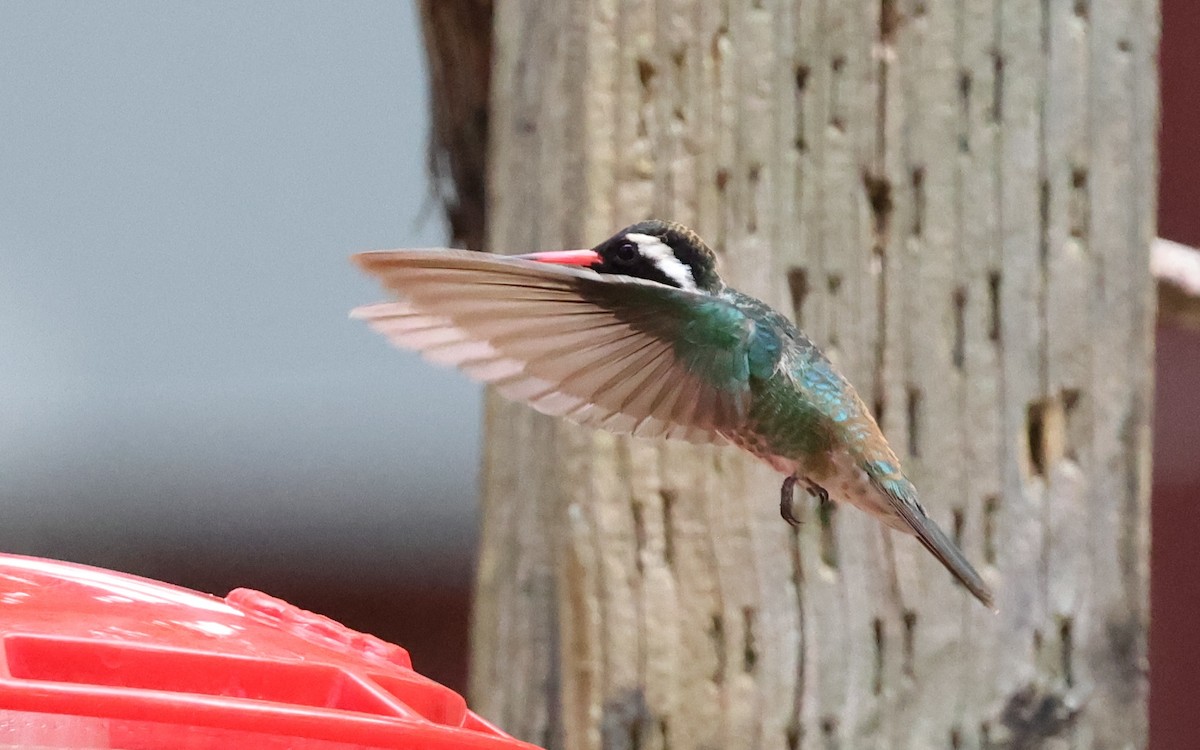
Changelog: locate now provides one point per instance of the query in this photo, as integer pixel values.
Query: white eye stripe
(663, 257)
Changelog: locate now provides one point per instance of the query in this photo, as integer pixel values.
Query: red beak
(564, 257)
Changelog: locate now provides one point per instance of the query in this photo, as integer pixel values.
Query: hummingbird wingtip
(361, 259)
(378, 310)
(368, 259)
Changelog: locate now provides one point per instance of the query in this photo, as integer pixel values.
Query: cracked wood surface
(955, 199)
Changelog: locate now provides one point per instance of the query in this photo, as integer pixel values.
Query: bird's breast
(783, 424)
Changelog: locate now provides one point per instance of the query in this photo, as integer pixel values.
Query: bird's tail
(903, 498)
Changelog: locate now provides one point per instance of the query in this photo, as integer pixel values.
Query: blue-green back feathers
(713, 341)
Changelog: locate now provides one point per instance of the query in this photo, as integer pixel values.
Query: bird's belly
(835, 471)
(842, 479)
(840, 476)
(782, 429)
(847, 482)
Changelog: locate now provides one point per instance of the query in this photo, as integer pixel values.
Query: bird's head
(656, 250)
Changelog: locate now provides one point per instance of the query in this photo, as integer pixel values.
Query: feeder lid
(94, 658)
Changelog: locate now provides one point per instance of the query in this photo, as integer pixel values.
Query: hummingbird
(640, 335)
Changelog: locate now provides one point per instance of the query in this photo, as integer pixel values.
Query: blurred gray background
(182, 394)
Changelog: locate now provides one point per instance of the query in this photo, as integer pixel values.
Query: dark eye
(626, 252)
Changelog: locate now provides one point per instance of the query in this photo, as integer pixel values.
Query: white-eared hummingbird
(639, 335)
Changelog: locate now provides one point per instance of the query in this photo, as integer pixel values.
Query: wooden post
(955, 198)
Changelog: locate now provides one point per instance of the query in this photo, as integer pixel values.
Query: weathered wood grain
(955, 198)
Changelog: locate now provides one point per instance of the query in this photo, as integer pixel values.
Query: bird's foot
(817, 491)
(824, 505)
(786, 497)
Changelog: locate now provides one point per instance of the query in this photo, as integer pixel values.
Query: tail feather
(902, 496)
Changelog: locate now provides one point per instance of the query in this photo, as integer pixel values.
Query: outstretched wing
(614, 352)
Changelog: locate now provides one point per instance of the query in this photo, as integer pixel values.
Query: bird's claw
(786, 497)
(820, 492)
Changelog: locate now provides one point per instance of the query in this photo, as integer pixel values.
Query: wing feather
(602, 351)
(650, 401)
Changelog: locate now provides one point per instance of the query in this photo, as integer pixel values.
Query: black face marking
(621, 256)
(690, 263)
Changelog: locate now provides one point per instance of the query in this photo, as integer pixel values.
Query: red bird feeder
(97, 659)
